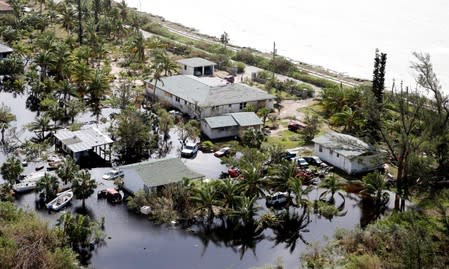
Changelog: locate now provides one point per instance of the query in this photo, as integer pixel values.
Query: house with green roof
(202, 97)
(230, 125)
(150, 175)
(348, 153)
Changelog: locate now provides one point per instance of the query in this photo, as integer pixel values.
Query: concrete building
(83, 143)
(197, 67)
(152, 174)
(230, 125)
(202, 97)
(348, 153)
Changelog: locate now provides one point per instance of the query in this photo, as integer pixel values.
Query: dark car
(112, 195)
(289, 155)
(295, 125)
(301, 162)
(315, 160)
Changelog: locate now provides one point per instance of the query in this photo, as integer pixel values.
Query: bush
(240, 67)
(207, 146)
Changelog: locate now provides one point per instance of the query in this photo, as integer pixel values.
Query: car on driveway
(222, 152)
(113, 174)
(189, 149)
(295, 125)
(314, 160)
(301, 162)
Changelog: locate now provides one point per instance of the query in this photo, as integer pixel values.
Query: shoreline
(314, 70)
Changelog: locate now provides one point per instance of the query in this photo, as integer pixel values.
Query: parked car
(189, 149)
(289, 155)
(314, 160)
(295, 125)
(112, 195)
(113, 174)
(222, 152)
(233, 171)
(277, 198)
(301, 162)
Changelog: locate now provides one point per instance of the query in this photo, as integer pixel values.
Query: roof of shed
(246, 118)
(5, 49)
(83, 139)
(196, 62)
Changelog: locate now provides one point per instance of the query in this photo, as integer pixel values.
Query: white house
(230, 125)
(202, 97)
(196, 66)
(348, 153)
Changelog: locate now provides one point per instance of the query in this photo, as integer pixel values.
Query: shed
(229, 125)
(197, 66)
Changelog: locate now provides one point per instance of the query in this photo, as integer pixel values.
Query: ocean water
(338, 35)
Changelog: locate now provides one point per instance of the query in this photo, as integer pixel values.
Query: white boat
(24, 186)
(61, 200)
(29, 182)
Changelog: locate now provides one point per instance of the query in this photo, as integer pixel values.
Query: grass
(286, 139)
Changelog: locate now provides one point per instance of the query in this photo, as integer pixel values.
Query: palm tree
(6, 117)
(374, 187)
(253, 137)
(137, 47)
(82, 76)
(297, 188)
(348, 118)
(229, 192)
(284, 172)
(48, 186)
(67, 16)
(40, 126)
(83, 186)
(156, 77)
(205, 196)
(264, 112)
(68, 170)
(98, 86)
(247, 210)
(332, 184)
(11, 169)
(251, 180)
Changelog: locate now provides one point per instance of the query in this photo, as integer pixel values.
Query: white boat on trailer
(61, 200)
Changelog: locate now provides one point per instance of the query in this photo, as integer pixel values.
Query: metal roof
(220, 121)
(243, 119)
(5, 49)
(155, 173)
(246, 118)
(82, 140)
(345, 145)
(206, 92)
(196, 62)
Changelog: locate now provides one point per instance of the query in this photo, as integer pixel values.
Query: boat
(29, 182)
(61, 200)
(24, 186)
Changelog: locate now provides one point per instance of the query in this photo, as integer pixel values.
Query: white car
(113, 174)
(189, 149)
(277, 198)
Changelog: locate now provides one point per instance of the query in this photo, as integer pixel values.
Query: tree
(284, 172)
(156, 70)
(48, 187)
(380, 61)
(224, 39)
(253, 137)
(83, 186)
(134, 135)
(98, 86)
(188, 130)
(68, 170)
(6, 117)
(205, 196)
(166, 122)
(264, 112)
(229, 192)
(332, 184)
(312, 124)
(297, 188)
(348, 118)
(11, 170)
(375, 187)
(40, 126)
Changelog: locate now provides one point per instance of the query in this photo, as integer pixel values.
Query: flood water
(135, 242)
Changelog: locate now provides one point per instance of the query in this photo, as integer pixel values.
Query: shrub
(240, 67)
(207, 146)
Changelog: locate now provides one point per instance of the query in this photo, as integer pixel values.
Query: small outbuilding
(152, 174)
(5, 8)
(232, 124)
(197, 67)
(348, 153)
(83, 143)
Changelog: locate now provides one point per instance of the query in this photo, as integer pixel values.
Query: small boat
(61, 200)
(24, 186)
(35, 176)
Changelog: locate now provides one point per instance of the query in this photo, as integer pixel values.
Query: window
(242, 106)
(177, 99)
(338, 155)
(185, 102)
(320, 149)
(331, 152)
(230, 105)
(185, 67)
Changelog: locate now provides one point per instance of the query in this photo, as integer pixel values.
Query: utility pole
(274, 56)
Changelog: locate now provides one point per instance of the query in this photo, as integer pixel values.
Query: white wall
(185, 70)
(218, 132)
